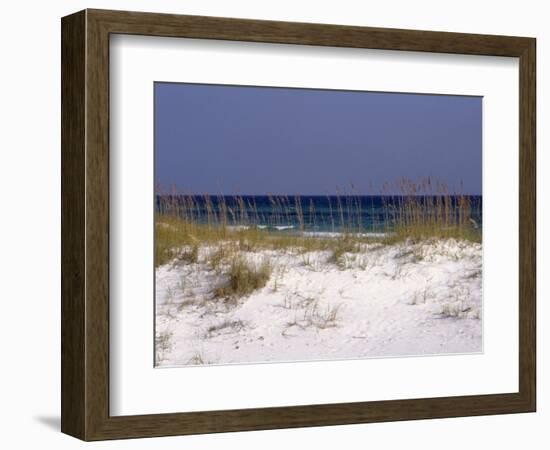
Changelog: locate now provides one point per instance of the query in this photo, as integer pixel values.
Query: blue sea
(310, 213)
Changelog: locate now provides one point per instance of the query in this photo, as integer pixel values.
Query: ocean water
(311, 213)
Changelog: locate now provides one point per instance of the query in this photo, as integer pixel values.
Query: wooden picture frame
(85, 224)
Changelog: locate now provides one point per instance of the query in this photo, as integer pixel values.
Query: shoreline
(293, 231)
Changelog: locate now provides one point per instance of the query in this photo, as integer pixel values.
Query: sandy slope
(404, 299)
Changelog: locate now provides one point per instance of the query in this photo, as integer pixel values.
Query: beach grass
(423, 210)
(243, 278)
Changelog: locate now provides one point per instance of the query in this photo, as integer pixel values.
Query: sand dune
(385, 300)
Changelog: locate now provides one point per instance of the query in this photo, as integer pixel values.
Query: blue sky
(255, 140)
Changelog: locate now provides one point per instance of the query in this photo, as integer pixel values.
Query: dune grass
(423, 210)
(243, 278)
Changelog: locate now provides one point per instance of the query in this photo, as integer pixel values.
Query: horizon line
(320, 195)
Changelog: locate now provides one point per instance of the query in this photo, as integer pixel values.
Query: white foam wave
(284, 227)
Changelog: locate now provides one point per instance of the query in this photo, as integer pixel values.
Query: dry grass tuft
(188, 255)
(341, 247)
(163, 345)
(225, 326)
(243, 278)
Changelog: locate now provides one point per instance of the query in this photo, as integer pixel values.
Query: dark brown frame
(85, 224)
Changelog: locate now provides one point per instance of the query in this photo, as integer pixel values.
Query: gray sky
(257, 140)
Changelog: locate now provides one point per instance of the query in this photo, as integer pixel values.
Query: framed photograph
(273, 225)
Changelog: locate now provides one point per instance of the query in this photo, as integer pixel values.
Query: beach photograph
(300, 224)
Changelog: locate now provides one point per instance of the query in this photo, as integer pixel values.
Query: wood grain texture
(152, 24)
(527, 224)
(85, 224)
(73, 226)
(97, 225)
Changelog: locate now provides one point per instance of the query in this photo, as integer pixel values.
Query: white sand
(405, 299)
